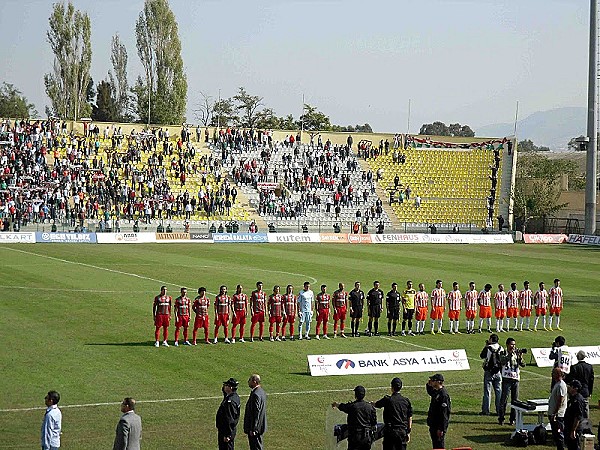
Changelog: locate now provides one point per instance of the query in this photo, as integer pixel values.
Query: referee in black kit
(397, 417)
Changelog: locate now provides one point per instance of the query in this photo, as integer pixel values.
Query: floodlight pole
(592, 125)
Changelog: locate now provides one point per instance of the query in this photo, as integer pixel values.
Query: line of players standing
(282, 309)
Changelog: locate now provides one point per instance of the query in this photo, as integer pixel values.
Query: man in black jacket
(573, 415)
(584, 373)
(255, 414)
(397, 417)
(362, 419)
(438, 416)
(228, 415)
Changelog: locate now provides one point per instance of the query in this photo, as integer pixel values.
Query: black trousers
(436, 441)
(226, 445)
(255, 442)
(394, 439)
(359, 440)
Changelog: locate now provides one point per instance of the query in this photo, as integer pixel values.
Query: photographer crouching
(512, 361)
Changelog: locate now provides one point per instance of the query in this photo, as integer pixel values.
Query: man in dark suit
(584, 373)
(228, 415)
(255, 415)
(129, 429)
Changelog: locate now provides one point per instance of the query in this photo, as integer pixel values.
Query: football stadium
(153, 266)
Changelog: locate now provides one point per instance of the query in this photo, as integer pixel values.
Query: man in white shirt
(52, 424)
(557, 405)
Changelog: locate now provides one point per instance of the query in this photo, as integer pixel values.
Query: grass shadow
(124, 344)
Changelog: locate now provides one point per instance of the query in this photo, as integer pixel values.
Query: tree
(70, 40)
(223, 113)
(159, 49)
(527, 145)
(106, 108)
(205, 110)
(313, 120)
(248, 106)
(266, 120)
(14, 104)
(537, 187)
(118, 79)
(441, 129)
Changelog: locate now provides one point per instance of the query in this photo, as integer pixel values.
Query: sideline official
(397, 417)
(228, 415)
(438, 415)
(362, 418)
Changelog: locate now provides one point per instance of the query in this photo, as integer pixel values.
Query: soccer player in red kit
(161, 312)
(540, 300)
(512, 307)
(239, 302)
(340, 308)
(438, 298)
(556, 303)
(222, 310)
(257, 311)
(525, 304)
(485, 307)
(200, 307)
(454, 307)
(290, 310)
(421, 305)
(182, 316)
(275, 305)
(322, 307)
(500, 308)
(471, 307)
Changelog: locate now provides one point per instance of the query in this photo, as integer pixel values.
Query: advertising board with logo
(65, 238)
(545, 238)
(17, 238)
(423, 238)
(172, 237)
(583, 239)
(345, 238)
(125, 238)
(542, 355)
(240, 237)
(288, 238)
(201, 237)
(398, 362)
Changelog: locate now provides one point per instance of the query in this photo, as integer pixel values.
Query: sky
(357, 61)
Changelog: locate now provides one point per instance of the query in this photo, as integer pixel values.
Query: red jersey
(471, 300)
(275, 305)
(289, 304)
(257, 300)
(421, 299)
(485, 298)
(525, 298)
(240, 302)
(556, 297)
(454, 300)
(223, 304)
(182, 306)
(500, 300)
(540, 299)
(201, 305)
(339, 298)
(162, 304)
(438, 297)
(512, 299)
(323, 301)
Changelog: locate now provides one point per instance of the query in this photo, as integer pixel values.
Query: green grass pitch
(78, 319)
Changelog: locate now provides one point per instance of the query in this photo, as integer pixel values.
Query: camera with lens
(521, 351)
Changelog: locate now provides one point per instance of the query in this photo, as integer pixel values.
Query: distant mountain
(552, 128)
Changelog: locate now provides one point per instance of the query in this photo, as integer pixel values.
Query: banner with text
(293, 237)
(172, 237)
(239, 237)
(542, 355)
(65, 238)
(545, 238)
(421, 238)
(345, 238)
(398, 362)
(125, 238)
(583, 239)
(17, 238)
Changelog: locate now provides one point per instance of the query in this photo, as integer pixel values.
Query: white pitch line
(219, 397)
(66, 289)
